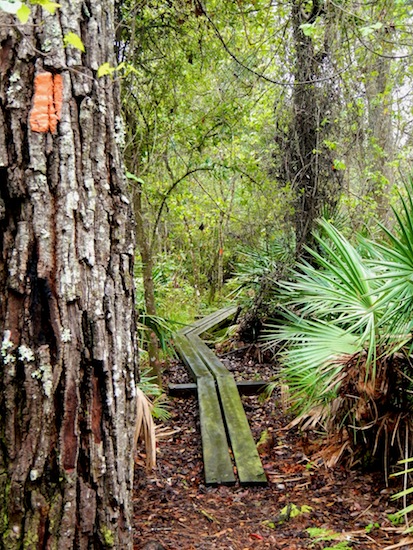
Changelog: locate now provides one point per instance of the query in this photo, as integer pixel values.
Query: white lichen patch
(47, 378)
(6, 343)
(116, 373)
(34, 474)
(66, 335)
(44, 372)
(25, 354)
(14, 91)
(6, 346)
(14, 77)
(19, 258)
(9, 359)
(119, 132)
(72, 201)
(116, 377)
(47, 45)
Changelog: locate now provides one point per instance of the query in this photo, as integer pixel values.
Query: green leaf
(23, 13)
(128, 68)
(396, 518)
(10, 6)
(305, 509)
(369, 29)
(322, 534)
(72, 39)
(332, 145)
(308, 29)
(47, 5)
(132, 177)
(339, 164)
(292, 510)
(105, 69)
(371, 526)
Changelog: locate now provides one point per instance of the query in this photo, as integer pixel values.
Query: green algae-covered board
(210, 360)
(217, 461)
(247, 460)
(211, 320)
(220, 409)
(190, 357)
(215, 448)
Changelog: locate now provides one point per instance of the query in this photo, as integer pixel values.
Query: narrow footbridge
(225, 431)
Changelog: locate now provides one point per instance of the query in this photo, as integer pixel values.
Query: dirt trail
(304, 505)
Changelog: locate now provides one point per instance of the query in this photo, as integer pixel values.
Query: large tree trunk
(307, 163)
(304, 162)
(380, 133)
(146, 252)
(68, 363)
(314, 180)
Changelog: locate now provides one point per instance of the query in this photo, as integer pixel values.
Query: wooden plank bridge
(224, 425)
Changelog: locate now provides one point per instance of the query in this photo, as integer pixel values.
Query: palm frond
(340, 290)
(393, 264)
(316, 356)
(162, 327)
(145, 427)
(347, 342)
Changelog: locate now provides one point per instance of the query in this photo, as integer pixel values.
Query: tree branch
(169, 191)
(260, 75)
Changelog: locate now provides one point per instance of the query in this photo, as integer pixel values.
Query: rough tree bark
(68, 362)
(309, 170)
(380, 132)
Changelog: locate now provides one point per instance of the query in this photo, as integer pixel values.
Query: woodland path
(228, 447)
(174, 508)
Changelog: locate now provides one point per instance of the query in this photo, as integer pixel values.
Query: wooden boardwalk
(224, 426)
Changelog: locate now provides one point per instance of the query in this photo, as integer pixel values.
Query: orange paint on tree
(57, 102)
(43, 93)
(47, 102)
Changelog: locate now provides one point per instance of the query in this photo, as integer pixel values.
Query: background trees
(68, 357)
(246, 119)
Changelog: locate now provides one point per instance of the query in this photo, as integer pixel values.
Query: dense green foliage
(213, 133)
(348, 328)
(204, 127)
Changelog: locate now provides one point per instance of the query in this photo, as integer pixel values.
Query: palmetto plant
(255, 264)
(348, 340)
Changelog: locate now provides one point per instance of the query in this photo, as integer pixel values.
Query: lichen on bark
(66, 288)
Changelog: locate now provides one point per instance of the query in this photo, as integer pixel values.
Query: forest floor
(174, 510)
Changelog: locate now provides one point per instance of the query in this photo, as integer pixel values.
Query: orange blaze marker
(47, 102)
(43, 94)
(56, 108)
